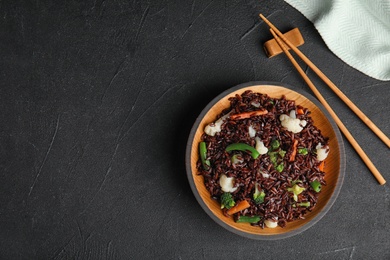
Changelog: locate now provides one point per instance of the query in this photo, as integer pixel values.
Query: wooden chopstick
(331, 85)
(340, 124)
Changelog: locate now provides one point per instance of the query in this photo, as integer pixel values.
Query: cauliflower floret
(251, 131)
(256, 104)
(292, 124)
(260, 147)
(227, 183)
(265, 174)
(322, 152)
(213, 128)
(293, 114)
(271, 223)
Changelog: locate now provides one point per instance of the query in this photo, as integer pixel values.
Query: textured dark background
(97, 100)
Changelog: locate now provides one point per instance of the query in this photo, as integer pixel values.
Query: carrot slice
(294, 150)
(249, 114)
(321, 166)
(300, 111)
(244, 204)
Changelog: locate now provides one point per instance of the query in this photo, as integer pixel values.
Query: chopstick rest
(272, 48)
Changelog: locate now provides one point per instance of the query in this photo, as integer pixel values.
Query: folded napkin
(357, 31)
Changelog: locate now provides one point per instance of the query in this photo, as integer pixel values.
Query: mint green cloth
(357, 31)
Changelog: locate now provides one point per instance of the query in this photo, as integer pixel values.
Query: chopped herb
(304, 204)
(275, 144)
(296, 190)
(303, 151)
(276, 155)
(280, 167)
(273, 156)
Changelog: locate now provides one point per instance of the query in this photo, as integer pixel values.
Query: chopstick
(331, 85)
(340, 124)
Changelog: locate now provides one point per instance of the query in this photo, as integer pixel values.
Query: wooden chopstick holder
(340, 124)
(272, 48)
(331, 85)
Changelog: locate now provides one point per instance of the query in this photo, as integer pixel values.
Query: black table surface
(97, 102)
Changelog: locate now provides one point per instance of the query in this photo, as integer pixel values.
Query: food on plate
(263, 160)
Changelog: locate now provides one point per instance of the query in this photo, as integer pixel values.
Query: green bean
(248, 219)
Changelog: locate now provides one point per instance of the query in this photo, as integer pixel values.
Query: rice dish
(263, 160)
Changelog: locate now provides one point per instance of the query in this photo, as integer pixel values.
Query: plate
(334, 170)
